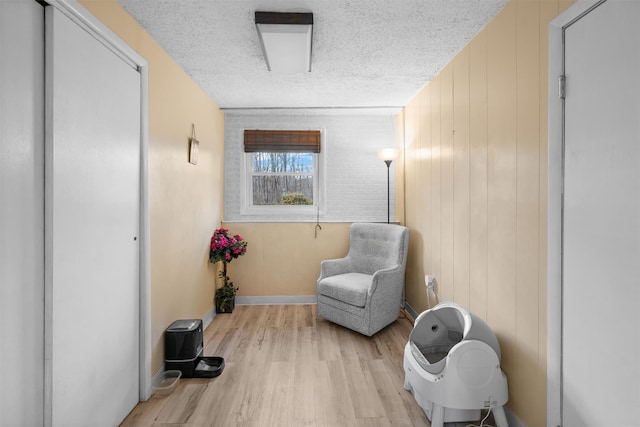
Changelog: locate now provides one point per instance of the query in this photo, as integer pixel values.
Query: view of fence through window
(282, 178)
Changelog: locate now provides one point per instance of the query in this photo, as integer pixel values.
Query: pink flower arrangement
(224, 247)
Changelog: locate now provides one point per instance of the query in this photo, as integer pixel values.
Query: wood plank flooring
(285, 367)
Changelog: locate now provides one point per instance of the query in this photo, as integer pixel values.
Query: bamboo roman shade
(282, 141)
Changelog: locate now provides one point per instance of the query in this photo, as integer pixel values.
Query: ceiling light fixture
(286, 40)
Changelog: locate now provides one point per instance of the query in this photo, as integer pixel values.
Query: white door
(601, 228)
(21, 213)
(92, 197)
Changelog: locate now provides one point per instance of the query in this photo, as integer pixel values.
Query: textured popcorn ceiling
(366, 53)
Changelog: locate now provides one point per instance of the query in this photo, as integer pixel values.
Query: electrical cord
(482, 424)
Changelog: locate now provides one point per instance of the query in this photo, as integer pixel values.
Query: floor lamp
(388, 155)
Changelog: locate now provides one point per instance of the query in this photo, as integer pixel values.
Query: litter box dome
(436, 331)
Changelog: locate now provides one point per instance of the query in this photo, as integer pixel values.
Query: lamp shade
(286, 40)
(388, 153)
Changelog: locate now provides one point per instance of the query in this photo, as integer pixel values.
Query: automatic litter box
(183, 347)
(452, 366)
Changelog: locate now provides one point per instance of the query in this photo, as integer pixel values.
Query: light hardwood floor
(285, 367)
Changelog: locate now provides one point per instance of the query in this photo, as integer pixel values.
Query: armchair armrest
(386, 276)
(387, 279)
(333, 267)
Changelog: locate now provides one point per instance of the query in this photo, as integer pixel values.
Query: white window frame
(281, 211)
(284, 212)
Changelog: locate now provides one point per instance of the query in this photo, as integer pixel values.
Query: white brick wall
(355, 179)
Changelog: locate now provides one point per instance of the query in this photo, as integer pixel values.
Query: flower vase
(226, 294)
(226, 306)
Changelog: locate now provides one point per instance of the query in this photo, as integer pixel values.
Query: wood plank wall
(475, 196)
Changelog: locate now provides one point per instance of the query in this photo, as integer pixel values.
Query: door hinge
(562, 87)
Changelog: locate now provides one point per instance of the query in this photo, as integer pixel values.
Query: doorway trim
(82, 17)
(555, 206)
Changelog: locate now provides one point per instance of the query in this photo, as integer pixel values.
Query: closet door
(92, 221)
(21, 213)
(601, 256)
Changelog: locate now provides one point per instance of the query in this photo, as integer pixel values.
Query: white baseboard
(276, 300)
(156, 378)
(206, 320)
(410, 310)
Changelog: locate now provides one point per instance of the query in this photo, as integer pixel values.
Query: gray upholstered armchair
(363, 291)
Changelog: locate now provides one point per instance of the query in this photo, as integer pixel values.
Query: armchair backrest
(374, 246)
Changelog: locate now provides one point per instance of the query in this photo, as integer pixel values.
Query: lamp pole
(388, 162)
(387, 155)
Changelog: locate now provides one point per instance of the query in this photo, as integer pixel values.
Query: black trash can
(183, 347)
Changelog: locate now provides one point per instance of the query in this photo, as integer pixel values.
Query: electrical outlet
(430, 282)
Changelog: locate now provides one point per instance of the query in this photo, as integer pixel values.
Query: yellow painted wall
(185, 200)
(475, 190)
(284, 258)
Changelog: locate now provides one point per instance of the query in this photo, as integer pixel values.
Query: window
(282, 178)
(281, 171)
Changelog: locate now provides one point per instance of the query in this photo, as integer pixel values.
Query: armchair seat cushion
(350, 288)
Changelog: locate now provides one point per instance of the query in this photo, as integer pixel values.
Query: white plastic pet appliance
(452, 366)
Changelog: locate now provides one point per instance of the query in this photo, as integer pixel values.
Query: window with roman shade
(281, 169)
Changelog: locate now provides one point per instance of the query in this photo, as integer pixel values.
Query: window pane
(283, 190)
(282, 162)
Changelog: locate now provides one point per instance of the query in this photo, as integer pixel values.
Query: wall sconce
(286, 40)
(388, 155)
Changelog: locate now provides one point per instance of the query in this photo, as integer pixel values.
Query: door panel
(92, 212)
(21, 213)
(601, 228)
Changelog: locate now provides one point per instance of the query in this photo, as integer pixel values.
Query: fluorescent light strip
(286, 40)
